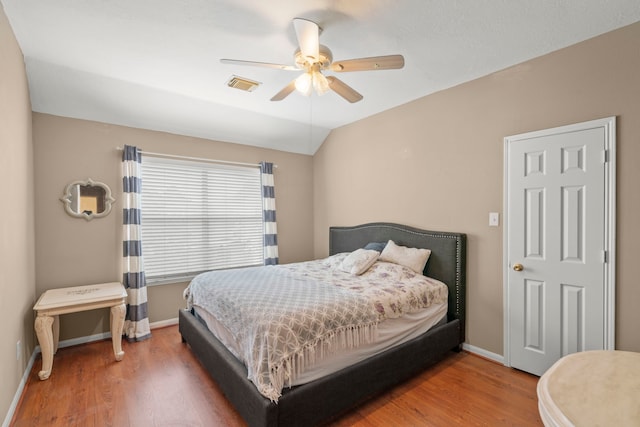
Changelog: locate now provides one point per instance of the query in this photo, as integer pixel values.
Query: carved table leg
(117, 325)
(44, 332)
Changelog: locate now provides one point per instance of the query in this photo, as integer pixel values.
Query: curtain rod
(197, 159)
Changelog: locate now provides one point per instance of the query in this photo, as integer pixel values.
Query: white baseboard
(164, 323)
(82, 340)
(16, 397)
(484, 353)
(62, 344)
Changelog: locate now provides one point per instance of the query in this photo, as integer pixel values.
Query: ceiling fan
(314, 58)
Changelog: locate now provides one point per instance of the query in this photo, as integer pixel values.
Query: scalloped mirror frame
(68, 197)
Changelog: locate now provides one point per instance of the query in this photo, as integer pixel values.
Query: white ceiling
(155, 64)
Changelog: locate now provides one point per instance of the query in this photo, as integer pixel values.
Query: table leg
(44, 332)
(117, 325)
(56, 333)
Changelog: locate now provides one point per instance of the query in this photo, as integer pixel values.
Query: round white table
(591, 388)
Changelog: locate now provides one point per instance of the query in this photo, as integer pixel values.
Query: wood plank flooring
(161, 383)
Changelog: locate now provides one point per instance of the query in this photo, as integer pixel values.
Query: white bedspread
(279, 314)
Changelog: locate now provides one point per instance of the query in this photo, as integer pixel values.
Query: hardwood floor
(161, 383)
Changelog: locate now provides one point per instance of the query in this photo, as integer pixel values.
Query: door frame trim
(609, 125)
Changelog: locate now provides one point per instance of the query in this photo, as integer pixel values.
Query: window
(199, 216)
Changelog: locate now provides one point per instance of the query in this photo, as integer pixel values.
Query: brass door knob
(518, 267)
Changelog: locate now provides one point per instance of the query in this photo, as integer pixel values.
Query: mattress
(285, 320)
(391, 333)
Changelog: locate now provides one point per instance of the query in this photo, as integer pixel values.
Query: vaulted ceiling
(155, 64)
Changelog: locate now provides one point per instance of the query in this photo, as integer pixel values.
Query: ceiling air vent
(242, 83)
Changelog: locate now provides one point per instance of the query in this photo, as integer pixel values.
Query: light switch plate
(494, 219)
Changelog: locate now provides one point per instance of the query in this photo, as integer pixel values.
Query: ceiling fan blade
(308, 34)
(286, 91)
(260, 64)
(389, 62)
(344, 90)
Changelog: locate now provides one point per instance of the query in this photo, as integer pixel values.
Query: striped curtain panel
(136, 326)
(269, 210)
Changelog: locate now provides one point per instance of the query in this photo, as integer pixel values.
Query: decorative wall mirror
(87, 199)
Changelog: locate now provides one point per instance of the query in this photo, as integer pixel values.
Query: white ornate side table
(55, 302)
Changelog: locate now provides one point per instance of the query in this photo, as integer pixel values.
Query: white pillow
(412, 258)
(359, 261)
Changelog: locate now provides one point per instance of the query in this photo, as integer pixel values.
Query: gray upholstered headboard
(447, 262)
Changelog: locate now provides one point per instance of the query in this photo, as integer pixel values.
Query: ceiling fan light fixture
(304, 83)
(320, 83)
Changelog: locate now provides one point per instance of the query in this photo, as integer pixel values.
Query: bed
(317, 401)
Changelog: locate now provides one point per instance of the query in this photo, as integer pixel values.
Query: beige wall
(437, 163)
(73, 251)
(17, 271)
(434, 163)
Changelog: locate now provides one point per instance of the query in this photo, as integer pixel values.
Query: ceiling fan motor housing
(324, 60)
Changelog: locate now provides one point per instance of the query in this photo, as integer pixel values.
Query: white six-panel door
(559, 205)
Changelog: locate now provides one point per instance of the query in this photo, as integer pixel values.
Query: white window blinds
(199, 216)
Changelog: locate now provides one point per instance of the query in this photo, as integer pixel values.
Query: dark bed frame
(318, 401)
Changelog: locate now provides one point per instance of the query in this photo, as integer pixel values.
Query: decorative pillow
(359, 261)
(376, 246)
(412, 258)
